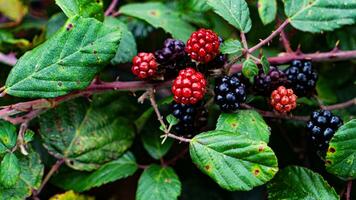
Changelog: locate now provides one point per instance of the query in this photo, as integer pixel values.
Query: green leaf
(82, 181)
(84, 8)
(67, 61)
(231, 46)
(158, 183)
(320, 15)
(196, 5)
(235, 12)
(249, 68)
(87, 135)
(70, 195)
(341, 155)
(245, 122)
(9, 170)
(28, 137)
(267, 9)
(127, 48)
(299, 183)
(31, 172)
(265, 64)
(172, 120)
(8, 136)
(234, 161)
(325, 90)
(55, 23)
(152, 142)
(159, 16)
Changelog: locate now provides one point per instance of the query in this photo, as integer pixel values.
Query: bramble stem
(243, 40)
(111, 7)
(182, 139)
(285, 42)
(345, 104)
(348, 190)
(8, 59)
(270, 37)
(50, 173)
(271, 114)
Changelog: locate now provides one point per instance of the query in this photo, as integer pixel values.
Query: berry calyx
(265, 83)
(189, 87)
(322, 126)
(229, 93)
(144, 65)
(191, 118)
(203, 45)
(283, 100)
(302, 77)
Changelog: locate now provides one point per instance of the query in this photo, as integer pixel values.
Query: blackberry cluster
(301, 77)
(229, 93)
(172, 51)
(191, 118)
(264, 84)
(322, 126)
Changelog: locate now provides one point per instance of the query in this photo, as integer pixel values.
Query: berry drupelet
(283, 100)
(203, 46)
(229, 93)
(144, 65)
(265, 83)
(191, 118)
(189, 87)
(322, 126)
(301, 77)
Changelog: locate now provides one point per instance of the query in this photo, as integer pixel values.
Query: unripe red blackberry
(265, 83)
(189, 87)
(322, 126)
(144, 65)
(283, 100)
(203, 45)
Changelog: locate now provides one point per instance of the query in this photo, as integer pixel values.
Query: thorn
(336, 48)
(298, 51)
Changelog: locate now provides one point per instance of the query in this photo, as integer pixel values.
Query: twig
(348, 190)
(315, 57)
(155, 108)
(243, 40)
(285, 42)
(53, 169)
(345, 104)
(182, 139)
(276, 115)
(8, 59)
(270, 37)
(111, 7)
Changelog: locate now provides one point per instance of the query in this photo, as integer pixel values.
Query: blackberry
(172, 51)
(191, 118)
(301, 77)
(264, 84)
(229, 93)
(322, 126)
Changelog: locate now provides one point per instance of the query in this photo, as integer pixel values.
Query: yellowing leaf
(13, 9)
(70, 195)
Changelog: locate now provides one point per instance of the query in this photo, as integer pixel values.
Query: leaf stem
(243, 40)
(182, 139)
(50, 173)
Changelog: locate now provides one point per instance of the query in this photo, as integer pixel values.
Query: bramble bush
(185, 99)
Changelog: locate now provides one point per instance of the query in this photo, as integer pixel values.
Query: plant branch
(348, 190)
(270, 37)
(182, 139)
(243, 40)
(334, 55)
(111, 7)
(285, 42)
(50, 173)
(271, 114)
(343, 105)
(8, 59)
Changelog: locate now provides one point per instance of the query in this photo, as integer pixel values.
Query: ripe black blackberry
(265, 83)
(172, 51)
(229, 93)
(301, 77)
(191, 118)
(322, 126)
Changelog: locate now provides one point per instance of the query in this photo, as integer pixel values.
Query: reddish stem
(243, 40)
(111, 7)
(348, 190)
(285, 42)
(270, 37)
(345, 104)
